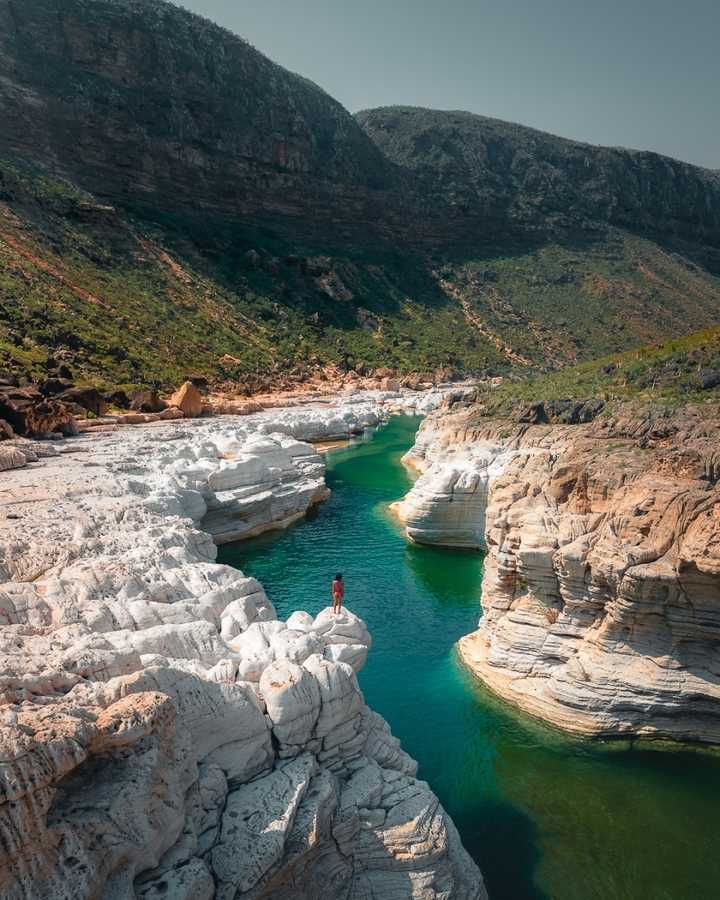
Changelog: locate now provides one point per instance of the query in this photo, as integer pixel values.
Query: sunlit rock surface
(162, 734)
(601, 589)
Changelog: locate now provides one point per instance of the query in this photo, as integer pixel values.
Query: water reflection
(436, 568)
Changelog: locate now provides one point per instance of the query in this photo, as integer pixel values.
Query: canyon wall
(601, 590)
(162, 733)
(154, 108)
(157, 109)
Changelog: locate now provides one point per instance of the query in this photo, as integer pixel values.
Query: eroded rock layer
(601, 591)
(162, 733)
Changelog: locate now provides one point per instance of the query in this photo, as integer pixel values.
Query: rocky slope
(162, 733)
(512, 176)
(171, 202)
(151, 106)
(601, 591)
(674, 371)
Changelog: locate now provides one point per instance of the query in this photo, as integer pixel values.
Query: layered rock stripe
(601, 586)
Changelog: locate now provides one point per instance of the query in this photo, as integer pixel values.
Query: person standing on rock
(338, 593)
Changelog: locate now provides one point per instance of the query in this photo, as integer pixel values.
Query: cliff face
(151, 107)
(601, 592)
(162, 733)
(522, 178)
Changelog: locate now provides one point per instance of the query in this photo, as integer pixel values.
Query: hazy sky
(635, 73)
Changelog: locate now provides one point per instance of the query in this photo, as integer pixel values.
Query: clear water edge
(544, 815)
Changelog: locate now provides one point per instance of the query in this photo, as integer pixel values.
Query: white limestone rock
(12, 458)
(256, 822)
(191, 881)
(163, 734)
(300, 621)
(447, 504)
(601, 587)
(339, 723)
(344, 637)
(292, 701)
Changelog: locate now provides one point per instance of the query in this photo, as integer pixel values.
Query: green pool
(544, 816)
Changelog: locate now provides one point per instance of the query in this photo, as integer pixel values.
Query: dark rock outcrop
(147, 402)
(119, 399)
(30, 414)
(560, 412)
(709, 378)
(89, 399)
(8, 379)
(51, 387)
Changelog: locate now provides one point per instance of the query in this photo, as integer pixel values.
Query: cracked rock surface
(601, 586)
(162, 733)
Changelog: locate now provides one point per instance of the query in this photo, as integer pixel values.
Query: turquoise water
(544, 816)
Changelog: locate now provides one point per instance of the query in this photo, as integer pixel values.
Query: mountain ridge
(477, 160)
(365, 111)
(323, 237)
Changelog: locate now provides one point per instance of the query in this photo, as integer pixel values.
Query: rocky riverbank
(162, 733)
(55, 406)
(601, 592)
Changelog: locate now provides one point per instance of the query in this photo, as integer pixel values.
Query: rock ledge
(601, 589)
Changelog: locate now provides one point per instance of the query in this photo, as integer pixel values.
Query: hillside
(172, 201)
(123, 302)
(523, 178)
(157, 109)
(672, 372)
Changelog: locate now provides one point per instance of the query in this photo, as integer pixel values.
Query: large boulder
(12, 458)
(709, 379)
(85, 398)
(292, 699)
(30, 414)
(188, 399)
(50, 417)
(147, 402)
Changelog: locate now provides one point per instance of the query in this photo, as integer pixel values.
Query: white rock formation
(601, 586)
(162, 734)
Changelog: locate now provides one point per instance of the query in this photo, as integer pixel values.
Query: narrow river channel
(545, 816)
